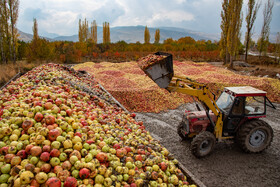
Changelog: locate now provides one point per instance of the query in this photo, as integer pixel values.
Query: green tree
(264, 38)
(106, 33)
(235, 23)
(252, 11)
(157, 36)
(147, 35)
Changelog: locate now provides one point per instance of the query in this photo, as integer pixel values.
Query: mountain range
(130, 34)
(133, 34)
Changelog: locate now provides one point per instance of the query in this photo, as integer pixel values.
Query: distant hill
(132, 34)
(28, 37)
(25, 36)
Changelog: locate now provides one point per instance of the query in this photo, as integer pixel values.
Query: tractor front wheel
(181, 131)
(203, 144)
(254, 136)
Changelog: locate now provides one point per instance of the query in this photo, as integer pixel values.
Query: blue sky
(61, 16)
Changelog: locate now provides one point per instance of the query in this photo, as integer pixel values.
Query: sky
(61, 17)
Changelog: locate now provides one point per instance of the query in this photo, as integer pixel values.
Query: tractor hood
(200, 116)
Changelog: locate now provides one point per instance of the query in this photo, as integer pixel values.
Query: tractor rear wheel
(254, 136)
(203, 144)
(180, 131)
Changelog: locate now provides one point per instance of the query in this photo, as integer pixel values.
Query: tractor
(236, 114)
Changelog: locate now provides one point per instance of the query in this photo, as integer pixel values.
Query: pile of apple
(149, 60)
(58, 128)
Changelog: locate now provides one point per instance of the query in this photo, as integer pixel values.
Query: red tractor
(234, 115)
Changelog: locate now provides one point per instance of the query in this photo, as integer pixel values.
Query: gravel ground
(227, 165)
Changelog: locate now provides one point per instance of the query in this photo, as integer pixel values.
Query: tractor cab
(239, 104)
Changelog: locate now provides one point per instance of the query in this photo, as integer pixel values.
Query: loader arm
(203, 94)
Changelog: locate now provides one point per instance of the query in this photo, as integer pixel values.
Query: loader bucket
(161, 72)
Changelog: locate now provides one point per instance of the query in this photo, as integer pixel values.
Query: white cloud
(175, 16)
(61, 16)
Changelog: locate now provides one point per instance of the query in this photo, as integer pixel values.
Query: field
(138, 93)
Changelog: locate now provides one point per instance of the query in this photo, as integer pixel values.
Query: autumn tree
(13, 14)
(2, 32)
(39, 48)
(106, 33)
(252, 11)
(157, 36)
(93, 32)
(235, 22)
(8, 34)
(277, 48)
(264, 37)
(35, 30)
(224, 27)
(83, 30)
(147, 35)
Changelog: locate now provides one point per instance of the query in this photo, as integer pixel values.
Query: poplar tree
(5, 32)
(277, 50)
(93, 32)
(235, 22)
(106, 33)
(13, 14)
(80, 31)
(157, 36)
(267, 16)
(147, 36)
(35, 30)
(83, 30)
(252, 11)
(224, 27)
(2, 30)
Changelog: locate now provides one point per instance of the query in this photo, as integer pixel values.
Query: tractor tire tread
(195, 144)
(183, 137)
(245, 130)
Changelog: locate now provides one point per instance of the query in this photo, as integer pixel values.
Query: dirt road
(227, 165)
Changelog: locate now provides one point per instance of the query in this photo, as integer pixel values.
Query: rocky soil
(227, 165)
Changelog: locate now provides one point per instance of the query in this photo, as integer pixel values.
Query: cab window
(238, 106)
(254, 105)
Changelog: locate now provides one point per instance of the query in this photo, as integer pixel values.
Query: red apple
(27, 124)
(84, 173)
(48, 105)
(46, 148)
(46, 168)
(70, 182)
(38, 117)
(35, 150)
(101, 157)
(53, 182)
(53, 134)
(45, 156)
(69, 112)
(58, 102)
(50, 119)
(28, 148)
(54, 153)
(22, 154)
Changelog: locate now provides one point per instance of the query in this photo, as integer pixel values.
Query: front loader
(236, 114)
